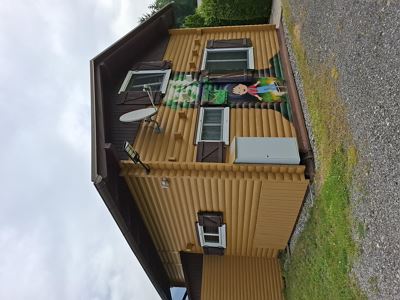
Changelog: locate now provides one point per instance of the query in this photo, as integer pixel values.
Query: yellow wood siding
(176, 142)
(186, 46)
(239, 278)
(168, 145)
(236, 190)
(170, 214)
(277, 213)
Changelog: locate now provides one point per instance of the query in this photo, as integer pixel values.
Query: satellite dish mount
(147, 88)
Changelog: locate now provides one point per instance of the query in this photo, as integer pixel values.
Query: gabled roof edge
(134, 31)
(97, 117)
(93, 118)
(110, 188)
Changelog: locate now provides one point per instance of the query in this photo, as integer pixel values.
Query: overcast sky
(57, 239)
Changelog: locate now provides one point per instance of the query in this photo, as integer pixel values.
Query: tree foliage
(156, 6)
(182, 8)
(193, 21)
(215, 12)
(229, 12)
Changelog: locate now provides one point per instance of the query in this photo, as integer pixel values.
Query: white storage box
(265, 150)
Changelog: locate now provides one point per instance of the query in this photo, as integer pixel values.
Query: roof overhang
(105, 164)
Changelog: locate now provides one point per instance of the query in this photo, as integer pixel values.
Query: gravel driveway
(362, 38)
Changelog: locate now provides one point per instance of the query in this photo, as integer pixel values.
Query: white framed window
(228, 59)
(212, 236)
(213, 125)
(156, 79)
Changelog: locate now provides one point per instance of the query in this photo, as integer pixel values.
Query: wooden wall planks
(237, 278)
(186, 46)
(277, 213)
(170, 214)
(243, 122)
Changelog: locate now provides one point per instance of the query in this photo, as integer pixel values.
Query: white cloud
(73, 122)
(33, 278)
(57, 239)
(128, 15)
(66, 263)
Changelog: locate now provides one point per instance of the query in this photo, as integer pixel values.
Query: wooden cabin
(219, 187)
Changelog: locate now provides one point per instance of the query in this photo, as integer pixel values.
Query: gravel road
(362, 39)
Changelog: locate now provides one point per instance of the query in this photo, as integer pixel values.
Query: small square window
(213, 125)
(211, 230)
(156, 79)
(217, 239)
(228, 59)
(211, 238)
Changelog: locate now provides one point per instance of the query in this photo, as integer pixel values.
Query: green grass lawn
(320, 265)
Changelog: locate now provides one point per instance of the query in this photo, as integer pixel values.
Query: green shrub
(229, 12)
(182, 8)
(193, 21)
(215, 12)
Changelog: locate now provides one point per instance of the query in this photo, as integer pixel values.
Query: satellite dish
(145, 114)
